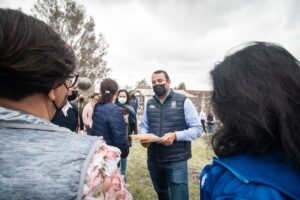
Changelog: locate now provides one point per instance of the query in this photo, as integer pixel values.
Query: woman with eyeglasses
(40, 160)
(68, 115)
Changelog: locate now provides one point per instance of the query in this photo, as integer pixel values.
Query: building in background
(198, 97)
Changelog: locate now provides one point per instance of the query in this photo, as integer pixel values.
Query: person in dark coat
(129, 116)
(108, 120)
(68, 116)
(134, 102)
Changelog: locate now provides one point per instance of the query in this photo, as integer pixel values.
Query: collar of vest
(167, 98)
(269, 170)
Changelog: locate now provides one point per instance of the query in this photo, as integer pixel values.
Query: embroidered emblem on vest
(152, 106)
(173, 104)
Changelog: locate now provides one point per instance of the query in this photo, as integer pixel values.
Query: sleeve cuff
(179, 135)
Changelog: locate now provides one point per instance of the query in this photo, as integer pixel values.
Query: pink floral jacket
(103, 179)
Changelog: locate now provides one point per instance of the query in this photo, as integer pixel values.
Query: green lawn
(138, 177)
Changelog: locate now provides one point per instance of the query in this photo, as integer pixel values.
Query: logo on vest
(173, 104)
(152, 106)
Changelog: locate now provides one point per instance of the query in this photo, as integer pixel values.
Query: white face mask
(122, 100)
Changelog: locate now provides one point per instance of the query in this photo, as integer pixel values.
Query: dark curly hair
(33, 57)
(257, 98)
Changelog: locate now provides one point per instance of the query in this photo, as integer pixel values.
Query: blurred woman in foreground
(257, 98)
(40, 160)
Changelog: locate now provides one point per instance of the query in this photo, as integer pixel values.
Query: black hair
(33, 57)
(164, 72)
(108, 89)
(257, 98)
(127, 95)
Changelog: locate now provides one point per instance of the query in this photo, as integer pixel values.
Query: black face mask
(58, 108)
(160, 90)
(73, 96)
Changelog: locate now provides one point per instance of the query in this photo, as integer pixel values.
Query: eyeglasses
(72, 80)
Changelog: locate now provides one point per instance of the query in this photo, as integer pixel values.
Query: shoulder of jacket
(221, 180)
(151, 100)
(217, 181)
(178, 95)
(115, 107)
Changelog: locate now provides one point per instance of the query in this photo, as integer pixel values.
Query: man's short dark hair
(162, 72)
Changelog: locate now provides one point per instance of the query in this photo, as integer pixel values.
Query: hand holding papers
(145, 138)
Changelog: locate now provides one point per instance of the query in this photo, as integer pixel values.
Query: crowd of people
(45, 153)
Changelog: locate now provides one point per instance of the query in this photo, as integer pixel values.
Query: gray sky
(184, 37)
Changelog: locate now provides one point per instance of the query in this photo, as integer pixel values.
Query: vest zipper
(161, 120)
(160, 129)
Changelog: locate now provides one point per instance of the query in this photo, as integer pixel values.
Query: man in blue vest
(174, 118)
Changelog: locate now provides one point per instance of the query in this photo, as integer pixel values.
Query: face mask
(58, 108)
(122, 100)
(81, 99)
(73, 96)
(160, 90)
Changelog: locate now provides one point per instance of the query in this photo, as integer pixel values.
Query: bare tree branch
(69, 19)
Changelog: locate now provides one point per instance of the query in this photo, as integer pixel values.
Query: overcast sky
(184, 37)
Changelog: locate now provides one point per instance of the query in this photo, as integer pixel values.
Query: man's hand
(168, 138)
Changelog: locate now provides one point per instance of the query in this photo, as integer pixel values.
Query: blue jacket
(248, 177)
(109, 123)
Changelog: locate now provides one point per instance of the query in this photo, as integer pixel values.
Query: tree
(68, 19)
(143, 84)
(127, 87)
(181, 86)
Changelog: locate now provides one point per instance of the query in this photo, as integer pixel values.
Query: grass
(138, 177)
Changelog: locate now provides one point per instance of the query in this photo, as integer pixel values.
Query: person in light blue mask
(129, 116)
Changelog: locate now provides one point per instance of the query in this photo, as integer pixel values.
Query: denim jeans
(170, 180)
(123, 166)
(210, 128)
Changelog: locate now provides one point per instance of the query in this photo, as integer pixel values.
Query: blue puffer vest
(164, 118)
(39, 160)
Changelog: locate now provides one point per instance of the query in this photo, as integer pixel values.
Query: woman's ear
(52, 95)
